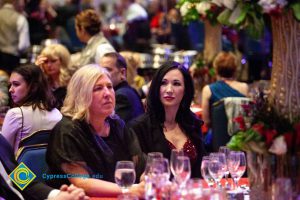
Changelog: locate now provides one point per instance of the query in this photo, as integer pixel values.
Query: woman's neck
(170, 115)
(101, 126)
(225, 79)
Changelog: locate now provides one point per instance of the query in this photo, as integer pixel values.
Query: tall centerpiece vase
(285, 81)
(212, 40)
(273, 177)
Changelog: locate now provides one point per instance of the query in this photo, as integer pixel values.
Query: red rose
(240, 120)
(269, 135)
(259, 128)
(297, 129)
(288, 138)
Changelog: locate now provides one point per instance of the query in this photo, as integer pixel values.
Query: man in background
(128, 102)
(14, 35)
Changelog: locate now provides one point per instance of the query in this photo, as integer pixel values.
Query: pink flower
(279, 146)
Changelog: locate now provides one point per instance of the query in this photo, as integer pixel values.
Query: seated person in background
(4, 98)
(36, 110)
(128, 102)
(90, 138)
(225, 65)
(35, 190)
(168, 122)
(54, 60)
(88, 30)
(133, 61)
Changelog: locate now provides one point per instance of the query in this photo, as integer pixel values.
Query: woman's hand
(138, 190)
(40, 61)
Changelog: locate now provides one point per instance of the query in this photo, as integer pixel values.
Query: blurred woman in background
(54, 60)
(35, 109)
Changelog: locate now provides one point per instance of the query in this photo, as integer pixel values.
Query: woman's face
(103, 102)
(172, 89)
(52, 66)
(19, 88)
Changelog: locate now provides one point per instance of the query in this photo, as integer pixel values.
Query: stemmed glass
(226, 151)
(161, 171)
(183, 170)
(125, 175)
(205, 172)
(216, 167)
(173, 160)
(150, 178)
(237, 166)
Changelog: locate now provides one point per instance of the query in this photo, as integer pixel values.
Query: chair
(34, 157)
(219, 126)
(38, 137)
(223, 112)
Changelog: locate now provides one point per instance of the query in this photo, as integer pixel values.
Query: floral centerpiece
(240, 14)
(272, 143)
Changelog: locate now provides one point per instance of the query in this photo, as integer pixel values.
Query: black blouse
(74, 142)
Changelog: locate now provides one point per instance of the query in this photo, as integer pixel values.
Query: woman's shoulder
(143, 120)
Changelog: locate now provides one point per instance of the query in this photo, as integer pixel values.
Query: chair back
(38, 137)
(223, 113)
(34, 157)
(219, 120)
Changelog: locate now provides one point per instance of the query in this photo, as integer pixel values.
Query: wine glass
(161, 171)
(173, 160)
(125, 175)
(183, 170)
(226, 151)
(216, 167)
(237, 168)
(204, 171)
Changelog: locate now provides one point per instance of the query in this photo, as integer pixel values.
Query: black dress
(152, 139)
(74, 142)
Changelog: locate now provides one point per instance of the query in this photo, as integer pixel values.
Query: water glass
(125, 175)
(183, 170)
(216, 168)
(173, 160)
(205, 172)
(237, 166)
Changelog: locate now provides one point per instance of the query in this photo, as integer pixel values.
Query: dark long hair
(39, 93)
(154, 105)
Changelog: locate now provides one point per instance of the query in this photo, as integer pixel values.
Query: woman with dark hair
(36, 105)
(169, 123)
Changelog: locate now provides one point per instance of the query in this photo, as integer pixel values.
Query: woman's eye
(98, 88)
(177, 83)
(164, 83)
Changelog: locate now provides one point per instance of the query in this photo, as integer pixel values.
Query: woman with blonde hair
(90, 138)
(54, 60)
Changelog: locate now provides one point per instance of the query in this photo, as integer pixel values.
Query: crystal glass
(226, 151)
(236, 165)
(205, 172)
(183, 170)
(216, 167)
(161, 171)
(125, 175)
(173, 160)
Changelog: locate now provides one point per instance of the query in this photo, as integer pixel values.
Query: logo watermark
(22, 176)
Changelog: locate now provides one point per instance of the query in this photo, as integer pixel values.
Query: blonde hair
(133, 61)
(58, 50)
(80, 91)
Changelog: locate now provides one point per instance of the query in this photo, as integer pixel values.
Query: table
(242, 181)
